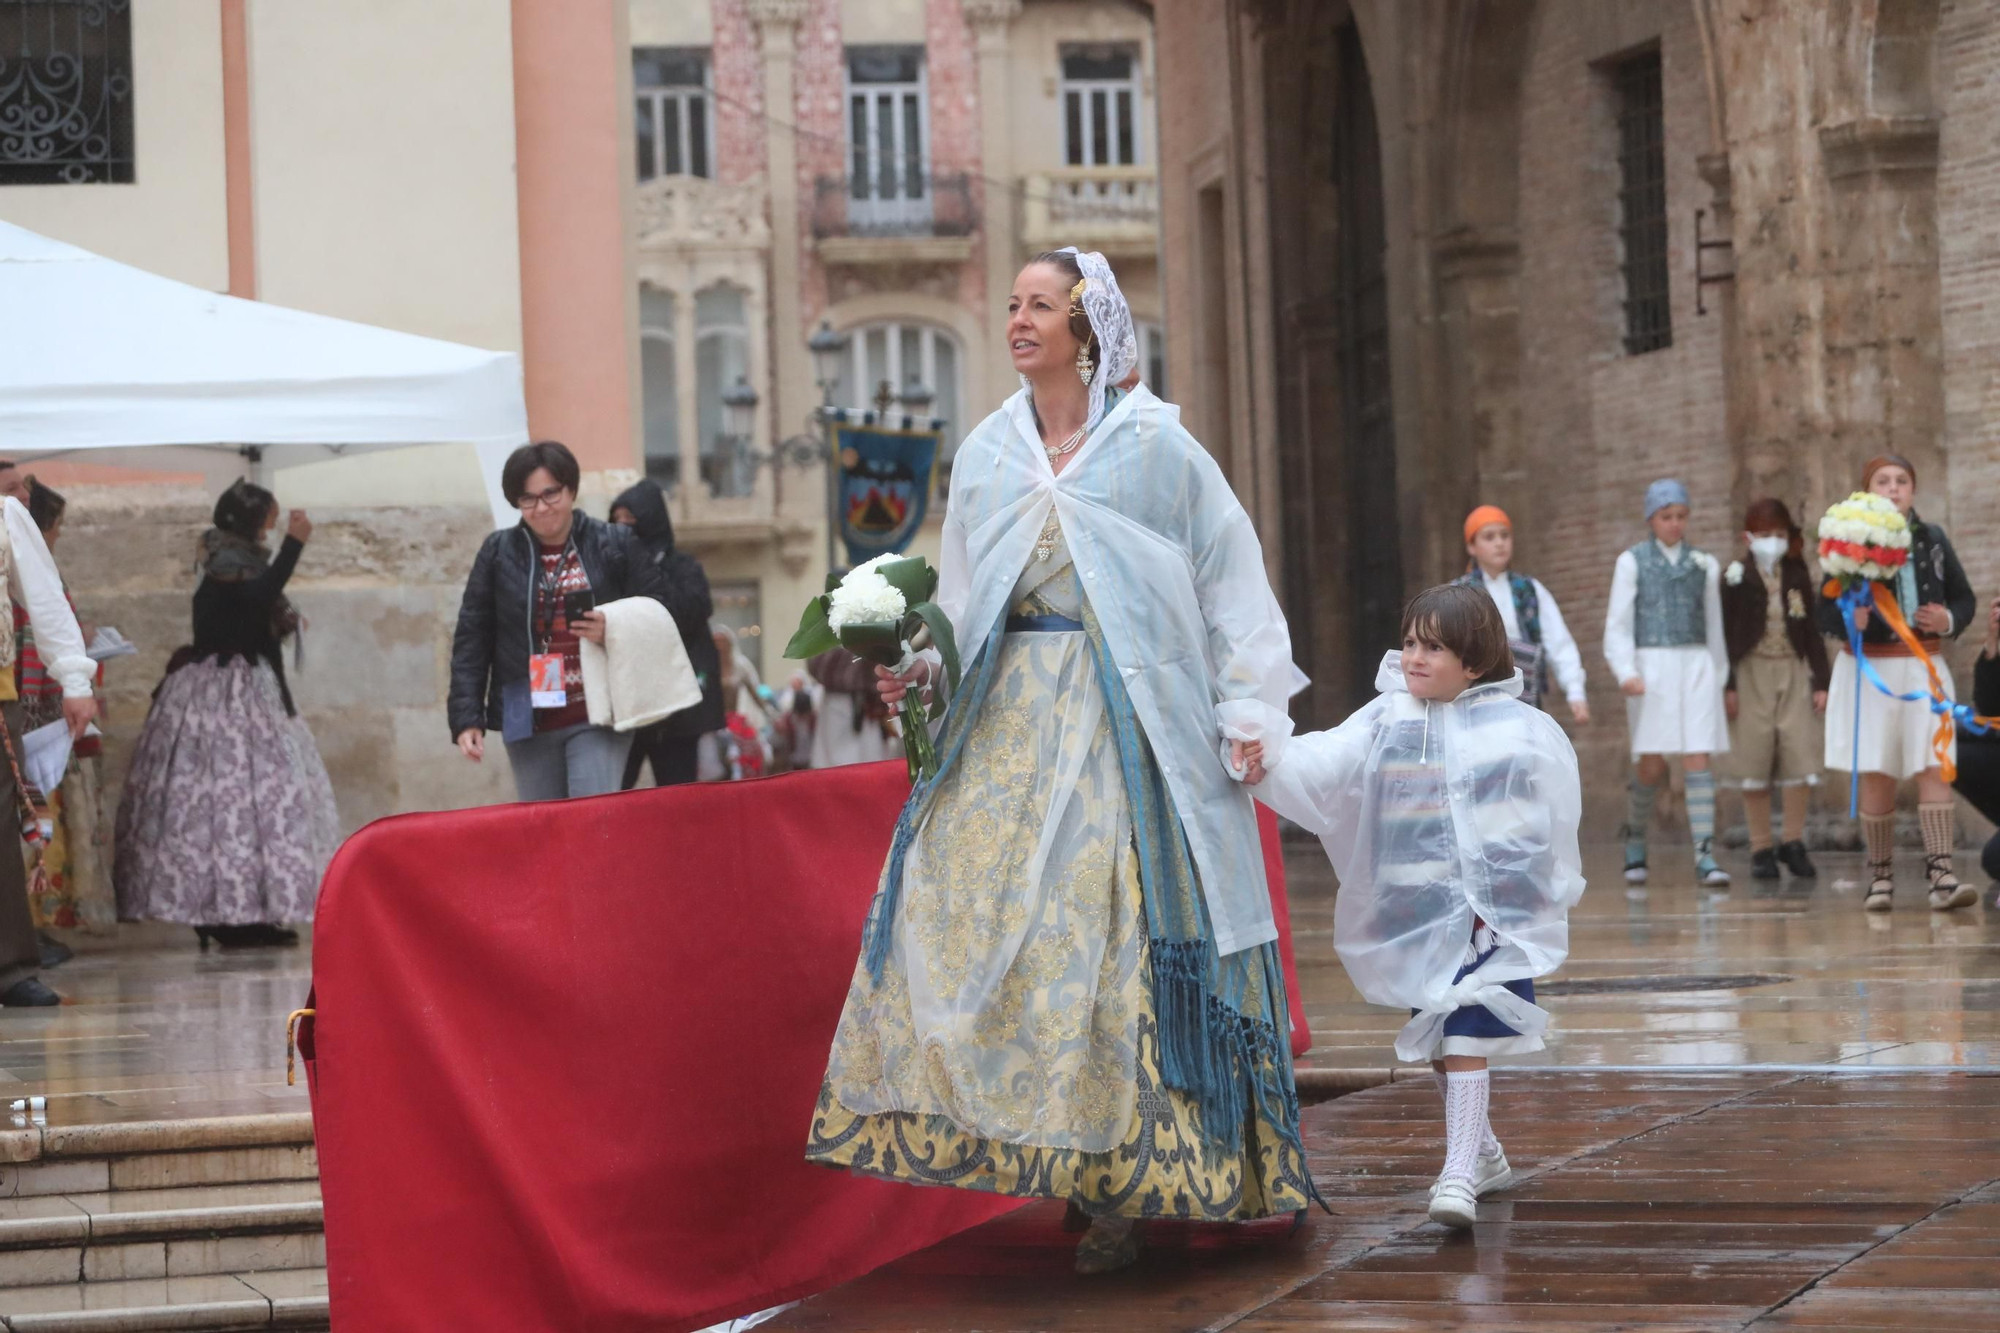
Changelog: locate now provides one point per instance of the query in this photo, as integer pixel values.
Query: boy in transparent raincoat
(1450, 810)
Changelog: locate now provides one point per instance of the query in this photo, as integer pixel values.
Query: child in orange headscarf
(1540, 640)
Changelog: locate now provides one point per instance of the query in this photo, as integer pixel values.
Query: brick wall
(819, 85)
(1969, 268)
(952, 70)
(1599, 424)
(737, 67)
(819, 76)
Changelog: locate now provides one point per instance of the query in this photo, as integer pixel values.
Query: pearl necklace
(1068, 446)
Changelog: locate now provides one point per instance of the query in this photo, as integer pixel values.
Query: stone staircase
(204, 1224)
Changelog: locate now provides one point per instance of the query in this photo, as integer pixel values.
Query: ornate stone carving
(991, 13)
(778, 13)
(691, 211)
(1880, 145)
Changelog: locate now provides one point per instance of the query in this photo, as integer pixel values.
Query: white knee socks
(1465, 1129)
(1488, 1146)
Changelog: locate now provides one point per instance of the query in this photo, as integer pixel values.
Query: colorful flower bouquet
(1864, 542)
(1863, 539)
(883, 612)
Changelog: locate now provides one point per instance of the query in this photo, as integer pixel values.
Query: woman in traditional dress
(1069, 986)
(1894, 739)
(74, 889)
(227, 820)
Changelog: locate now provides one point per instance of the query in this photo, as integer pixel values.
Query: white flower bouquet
(884, 612)
(1863, 539)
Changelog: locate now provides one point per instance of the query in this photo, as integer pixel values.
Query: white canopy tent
(144, 371)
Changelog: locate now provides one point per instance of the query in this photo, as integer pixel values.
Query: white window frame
(1083, 89)
(655, 98)
(898, 375)
(655, 333)
(868, 208)
(705, 447)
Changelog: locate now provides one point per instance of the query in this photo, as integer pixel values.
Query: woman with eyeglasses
(530, 602)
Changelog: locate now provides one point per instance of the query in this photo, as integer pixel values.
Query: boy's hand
(1634, 687)
(1248, 759)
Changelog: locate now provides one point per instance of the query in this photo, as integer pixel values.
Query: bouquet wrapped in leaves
(884, 612)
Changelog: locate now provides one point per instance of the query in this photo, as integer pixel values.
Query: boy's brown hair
(1462, 618)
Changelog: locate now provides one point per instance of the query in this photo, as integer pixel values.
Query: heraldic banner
(883, 479)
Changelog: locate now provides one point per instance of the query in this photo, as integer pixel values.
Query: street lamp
(739, 422)
(827, 348)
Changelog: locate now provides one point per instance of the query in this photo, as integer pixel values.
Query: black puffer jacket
(491, 645)
(1940, 581)
(684, 588)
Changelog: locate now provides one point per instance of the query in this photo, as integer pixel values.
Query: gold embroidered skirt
(1011, 1045)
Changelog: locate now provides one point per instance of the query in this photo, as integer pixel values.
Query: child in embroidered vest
(1536, 631)
(1663, 640)
(1778, 676)
(1449, 810)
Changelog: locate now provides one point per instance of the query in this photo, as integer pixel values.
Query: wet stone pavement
(1761, 1108)
(1787, 972)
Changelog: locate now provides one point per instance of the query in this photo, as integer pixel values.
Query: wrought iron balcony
(1113, 209)
(893, 205)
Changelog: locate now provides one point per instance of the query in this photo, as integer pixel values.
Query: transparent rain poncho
(1436, 815)
(1172, 568)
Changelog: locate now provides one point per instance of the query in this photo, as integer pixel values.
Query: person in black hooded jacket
(671, 744)
(1979, 752)
(530, 602)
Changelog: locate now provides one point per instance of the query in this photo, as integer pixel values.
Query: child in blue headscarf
(1664, 642)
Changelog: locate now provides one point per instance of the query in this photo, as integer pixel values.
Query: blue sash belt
(1043, 625)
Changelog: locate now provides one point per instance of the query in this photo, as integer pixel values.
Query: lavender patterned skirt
(227, 817)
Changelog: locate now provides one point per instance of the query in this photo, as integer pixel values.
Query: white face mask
(1769, 549)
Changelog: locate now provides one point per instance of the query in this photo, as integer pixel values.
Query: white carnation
(1733, 575)
(864, 597)
(870, 566)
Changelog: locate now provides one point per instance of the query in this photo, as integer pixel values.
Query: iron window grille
(66, 92)
(672, 114)
(1642, 202)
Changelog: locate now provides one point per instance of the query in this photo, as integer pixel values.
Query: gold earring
(1083, 364)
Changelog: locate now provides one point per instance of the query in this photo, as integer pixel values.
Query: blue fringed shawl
(1219, 1017)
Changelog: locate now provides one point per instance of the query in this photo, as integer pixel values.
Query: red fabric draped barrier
(565, 1057)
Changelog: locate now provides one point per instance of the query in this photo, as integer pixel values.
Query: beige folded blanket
(641, 674)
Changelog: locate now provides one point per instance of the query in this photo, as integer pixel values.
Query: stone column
(990, 20)
(793, 393)
(1831, 162)
(578, 329)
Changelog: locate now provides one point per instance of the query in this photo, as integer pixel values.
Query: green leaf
(814, 635)
(832, 579)
(945, 641)
(911, 577)
(877, 641)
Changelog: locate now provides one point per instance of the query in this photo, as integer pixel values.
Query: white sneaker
(1489, 1176)
(1453, 1204)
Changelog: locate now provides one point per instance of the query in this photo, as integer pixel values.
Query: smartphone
(579, 604)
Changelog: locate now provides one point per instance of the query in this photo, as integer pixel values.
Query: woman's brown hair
(1464, 620)
(1079, 323)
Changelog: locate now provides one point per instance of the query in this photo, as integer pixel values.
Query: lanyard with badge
(545, 668)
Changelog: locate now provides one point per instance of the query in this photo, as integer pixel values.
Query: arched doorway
(1342, 541)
